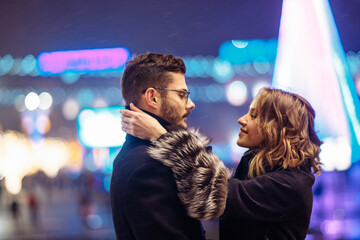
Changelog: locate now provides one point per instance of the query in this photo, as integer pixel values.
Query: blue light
(16, 67)
(100, 127)
(89, 162)
(28, 64)
(107, 180)
(2, 93)
(215, 92)
(261, 66)
(85, 97)
(6, 63)
(239, 52)
(70, 78)
(223, 71)
(223, 151)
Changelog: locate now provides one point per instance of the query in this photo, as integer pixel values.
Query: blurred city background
(60, 67)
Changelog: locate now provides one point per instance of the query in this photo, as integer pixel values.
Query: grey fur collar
(201, 177)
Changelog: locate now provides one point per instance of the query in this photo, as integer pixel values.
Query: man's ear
(152, 98)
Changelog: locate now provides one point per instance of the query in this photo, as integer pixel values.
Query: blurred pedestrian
(33, 208)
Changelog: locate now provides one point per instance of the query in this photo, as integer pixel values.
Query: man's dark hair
(148, 70)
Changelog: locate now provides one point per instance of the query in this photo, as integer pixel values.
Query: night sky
(179, 27)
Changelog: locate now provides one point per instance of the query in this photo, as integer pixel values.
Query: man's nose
(190, 104)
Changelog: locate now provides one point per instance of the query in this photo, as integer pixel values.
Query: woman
(270, 195)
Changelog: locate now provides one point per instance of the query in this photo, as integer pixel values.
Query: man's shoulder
(134, 158)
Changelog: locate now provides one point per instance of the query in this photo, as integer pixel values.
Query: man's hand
(140, 124)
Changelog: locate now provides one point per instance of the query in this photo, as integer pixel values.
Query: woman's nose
(242, 121)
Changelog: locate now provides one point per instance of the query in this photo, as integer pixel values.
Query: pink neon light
(82, 60)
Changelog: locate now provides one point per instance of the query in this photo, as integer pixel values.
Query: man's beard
(170, 114)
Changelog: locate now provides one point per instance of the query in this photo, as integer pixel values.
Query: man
(145, 199)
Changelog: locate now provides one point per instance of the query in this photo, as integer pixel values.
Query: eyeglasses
(186, 96)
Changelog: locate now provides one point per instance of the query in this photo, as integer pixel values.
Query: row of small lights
(85, 97)
(197, 67)
(236, 93)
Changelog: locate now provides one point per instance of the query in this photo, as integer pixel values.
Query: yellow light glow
(20, 156)
(52, 155)
(13, 184)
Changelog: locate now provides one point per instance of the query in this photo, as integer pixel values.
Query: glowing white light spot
(334, 149)
(236, 93)
(100, 129)
(54, 149)
(331, 227)
(70, 109)
(45, 101)
(12, 184)
(15, 160)
(32, 101)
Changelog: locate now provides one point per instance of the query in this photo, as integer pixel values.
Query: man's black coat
(144, 197)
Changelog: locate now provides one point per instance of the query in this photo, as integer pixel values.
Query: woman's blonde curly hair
(286, 121)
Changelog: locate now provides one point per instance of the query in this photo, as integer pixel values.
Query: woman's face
(249, 135)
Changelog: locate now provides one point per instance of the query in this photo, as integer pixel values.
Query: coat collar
(163, 123)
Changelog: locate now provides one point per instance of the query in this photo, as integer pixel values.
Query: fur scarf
(201, 177)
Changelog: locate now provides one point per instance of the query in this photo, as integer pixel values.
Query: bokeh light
(223, 71)
(28, 64)
(236, 93)
(6, 63)
(70, 109)
(19, 103)
(28, 124)
(214, 92)
(58, 95)
(85, 97)
(32, 101)
(334, 149)
(42, 123)
(45, 101)
(16, 67)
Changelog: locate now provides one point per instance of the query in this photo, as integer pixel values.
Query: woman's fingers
(134, 108)
(140, 124)
(126, 112)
